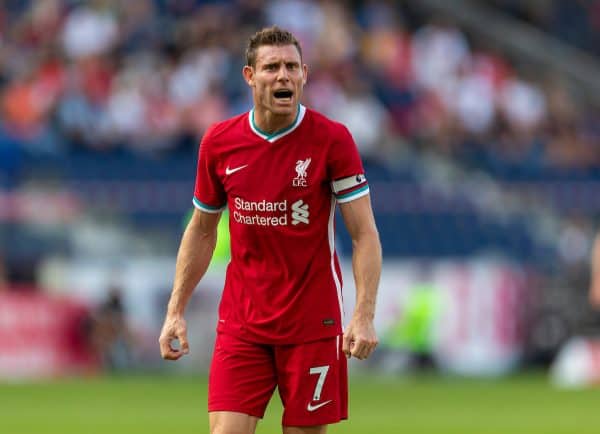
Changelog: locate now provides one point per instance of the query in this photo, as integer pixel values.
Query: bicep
(204, 222)
(358, 217)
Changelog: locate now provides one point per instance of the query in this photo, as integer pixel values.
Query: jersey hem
(253, 338)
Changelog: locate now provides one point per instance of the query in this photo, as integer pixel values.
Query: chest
(287, 169)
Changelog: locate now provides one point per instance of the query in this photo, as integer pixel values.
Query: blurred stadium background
(479, 125)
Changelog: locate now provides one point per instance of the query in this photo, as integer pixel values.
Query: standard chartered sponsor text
(256, 219)
(262, 205)
(241, 205)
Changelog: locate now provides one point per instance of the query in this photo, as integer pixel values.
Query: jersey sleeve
(209, 194)
(348, 181)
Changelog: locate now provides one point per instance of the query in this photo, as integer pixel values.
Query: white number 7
(322, 371)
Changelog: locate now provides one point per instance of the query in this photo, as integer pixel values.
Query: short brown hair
(269, 36)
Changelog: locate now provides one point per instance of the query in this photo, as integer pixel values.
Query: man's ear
(305, 70)
(248, 73)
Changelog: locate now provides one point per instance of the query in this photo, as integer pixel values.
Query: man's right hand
(174, 328)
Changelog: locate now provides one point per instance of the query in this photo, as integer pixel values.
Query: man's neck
(270, 123)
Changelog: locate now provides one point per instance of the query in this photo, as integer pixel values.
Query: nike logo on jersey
(311, 407)
(229, 171)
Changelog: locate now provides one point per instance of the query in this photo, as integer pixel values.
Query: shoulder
(335, 129)
(220, 131)
(321, 120)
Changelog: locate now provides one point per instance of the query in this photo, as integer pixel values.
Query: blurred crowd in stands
(576, 22)
(149, 76)
(122, 78)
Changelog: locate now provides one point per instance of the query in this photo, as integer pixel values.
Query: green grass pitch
(417, 405)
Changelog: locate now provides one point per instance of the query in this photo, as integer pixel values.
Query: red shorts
(312, 379)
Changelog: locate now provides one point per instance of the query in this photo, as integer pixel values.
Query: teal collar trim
(280, 133)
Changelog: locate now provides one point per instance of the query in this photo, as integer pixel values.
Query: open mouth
(283, 94)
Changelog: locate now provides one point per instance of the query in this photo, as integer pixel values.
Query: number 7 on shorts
(322, 371)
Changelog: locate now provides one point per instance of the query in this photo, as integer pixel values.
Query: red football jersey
(283, 284)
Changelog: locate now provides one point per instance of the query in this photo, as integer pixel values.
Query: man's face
(277, 78)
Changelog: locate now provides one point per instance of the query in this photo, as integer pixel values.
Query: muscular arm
(595, 273)
(195, 252)
(360, 338)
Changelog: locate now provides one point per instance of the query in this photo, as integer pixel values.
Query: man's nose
(282, 74)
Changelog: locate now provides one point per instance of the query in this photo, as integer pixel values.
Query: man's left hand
(360, 338)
